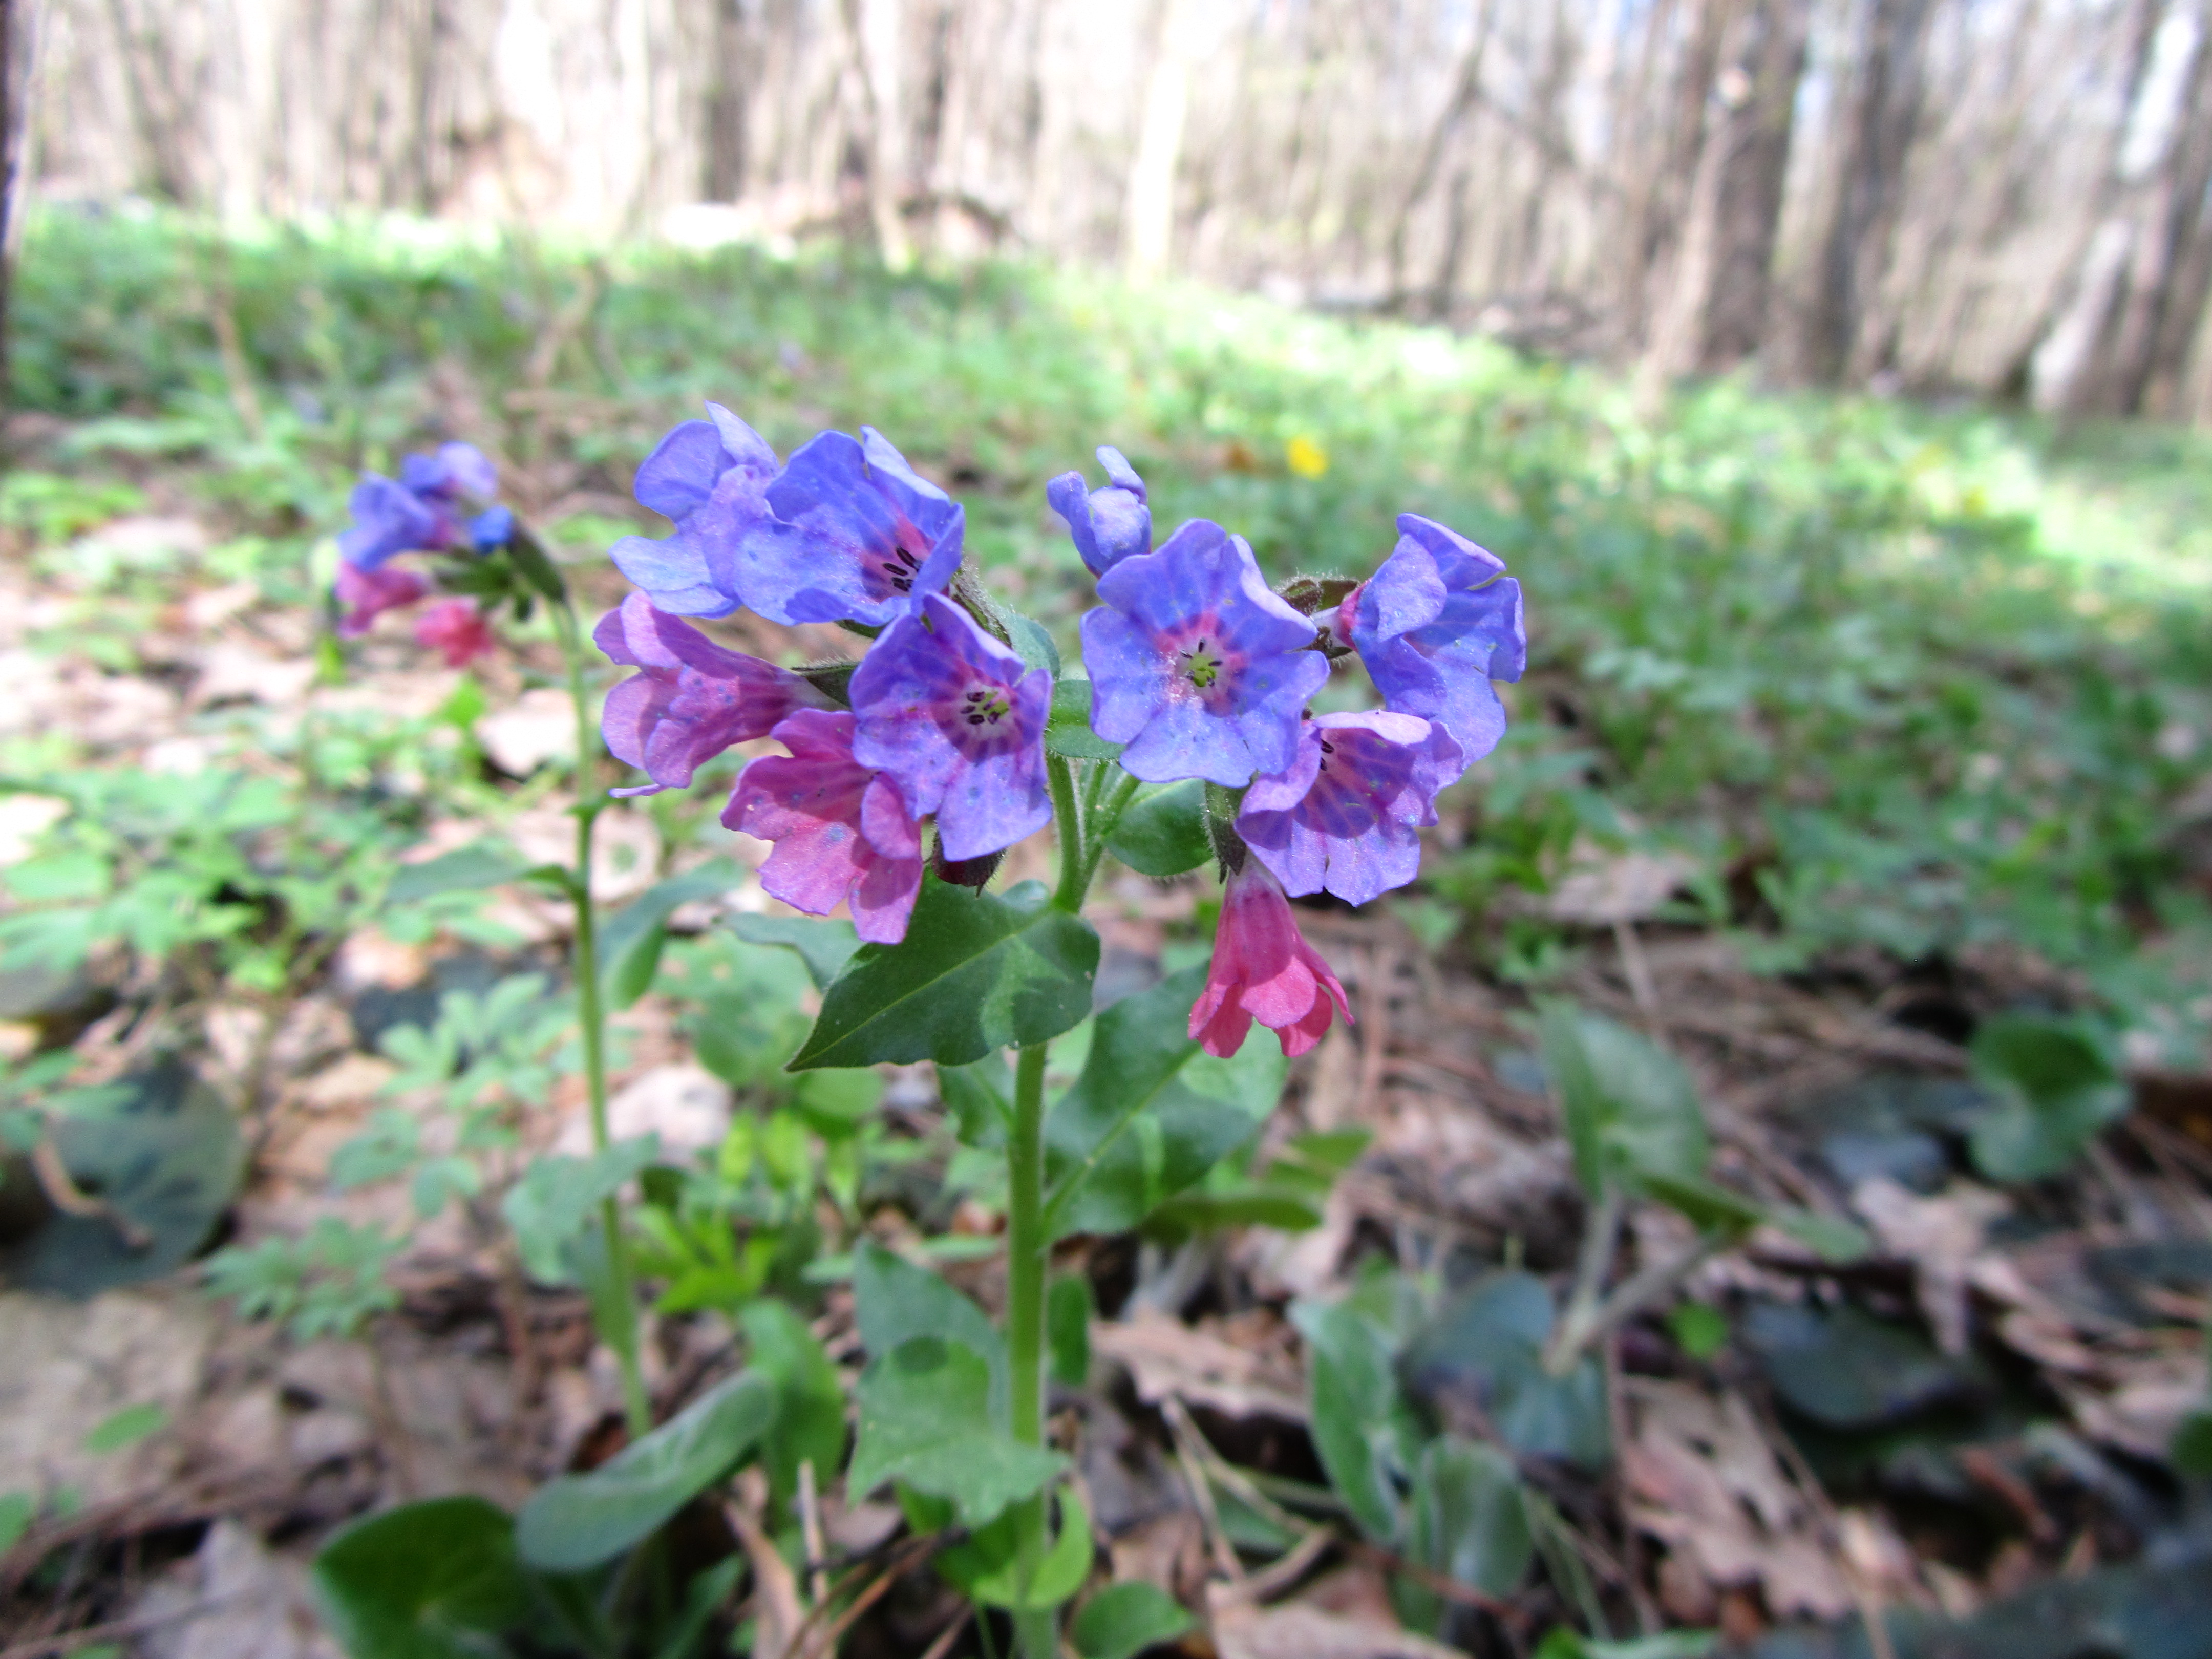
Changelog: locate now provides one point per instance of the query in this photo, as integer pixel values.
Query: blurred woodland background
(1998, 197)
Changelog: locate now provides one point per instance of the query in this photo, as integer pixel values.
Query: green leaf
(976, 1095)
(926, 1419)
(1564, 1642)
(425, 1581)
(1122, 1620)
(1032, 642)
(2056, 1087)
(1058, 1576)
(894, 1301)
(1069, 1310)
(1151, 1113)
(579, 1521)
(825, 946)
(534, 567)
(1465, 1520)
(810, 1417)
(1705, 1205)
(1484, 1350)
(975, 972)
(2192, 1445)
(1700, 1330)
(1361, 1428)
(629, 944)
(1830, 1237)
(1628, 1108)
(558, 1194)
(1068, 732)
(127, 1427)
(17, 1510)
(1163, 833)
(485, 865)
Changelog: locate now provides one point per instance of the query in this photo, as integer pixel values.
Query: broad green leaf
(1151, 1112)
(825, 946)
(127, 1427)
(1465, 1520)
(810, 1418)
(975, 972)
(630, 941)
(1068, 732)
(1068, 1311)
(536, 567)
(2192, 1445)
(1700, 1330)
(1163, 833)
(1032, 642)
(557, 1194)
(1058, 1576)
(894, 1300)
(579, 1521)
(835, 1103)
(485, 865)
(1628, 1108)
(1705, 1205)
(1564, 1642)
(1361, 1430)
(1122, 1620)
(426, 1581)
(927, 1420)
(2056, 1090)
(1483, 1352)
(1828, 1237)
(977, 1096)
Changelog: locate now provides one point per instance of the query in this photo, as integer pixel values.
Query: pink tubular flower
(693, 700)
(841, 833)
(1263, 969)
(456, 628)
(367, 594)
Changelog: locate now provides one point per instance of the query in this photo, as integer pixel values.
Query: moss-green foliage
(1891, 676)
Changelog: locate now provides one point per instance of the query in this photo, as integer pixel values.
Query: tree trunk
(1880, 122)
(8, 188)
(1466, 94)
(876, 34)
(1755, 137)
(1148, 218)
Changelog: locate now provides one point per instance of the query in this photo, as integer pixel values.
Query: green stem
(590, 1015)
(1102, 821)
(1026, 1248)
(1068, 820)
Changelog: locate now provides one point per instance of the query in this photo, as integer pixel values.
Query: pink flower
(456, 628)
(367, 594)
(843, 834)
(1263, 969)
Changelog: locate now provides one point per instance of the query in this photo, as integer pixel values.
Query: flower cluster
(424, 510)
(939, 719)
(1199, 670)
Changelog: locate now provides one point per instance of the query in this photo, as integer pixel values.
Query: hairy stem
(591, 1016)
(1025, 1264)
(1067, 821)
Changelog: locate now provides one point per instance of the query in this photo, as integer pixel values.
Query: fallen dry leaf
(1167, 1359)
(1298, 1629)
(1941, 1235)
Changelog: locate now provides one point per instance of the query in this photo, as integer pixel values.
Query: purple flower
(493, 528)
(842, 836)
(367, 594)
(419, 512)
(1345, 817)
(1435, 626)
(846, 532)
(1195, 665)
(694, 699)
(958, 723)
(1110, 524)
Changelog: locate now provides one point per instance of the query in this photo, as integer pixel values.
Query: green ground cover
(1918, 680)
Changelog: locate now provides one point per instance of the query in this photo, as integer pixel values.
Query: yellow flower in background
(1307, 459)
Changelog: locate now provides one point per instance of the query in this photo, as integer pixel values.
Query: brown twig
(65, 1195)
(813, 1636)
(810, 1527)
(114, 1631)
(944, 1639)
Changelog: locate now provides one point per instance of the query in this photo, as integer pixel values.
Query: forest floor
(1849, 728)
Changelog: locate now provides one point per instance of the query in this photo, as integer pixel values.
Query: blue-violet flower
(1195, 665)
(841, 833)
(692, 700)
(1109, 524)
(419, 511)
(846, 532)
(957, 721)
(1346, 817)
(1435, 626)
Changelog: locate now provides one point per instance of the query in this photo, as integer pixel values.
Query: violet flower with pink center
(1109, 524)
(1195, 665)
(844, 531)
(456, 628)
(1346, 817)
(957, 720)
(1263, 969)
(421, 510)
(693, 700)
(1435, 626)
(367, 594)
(841, 834)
